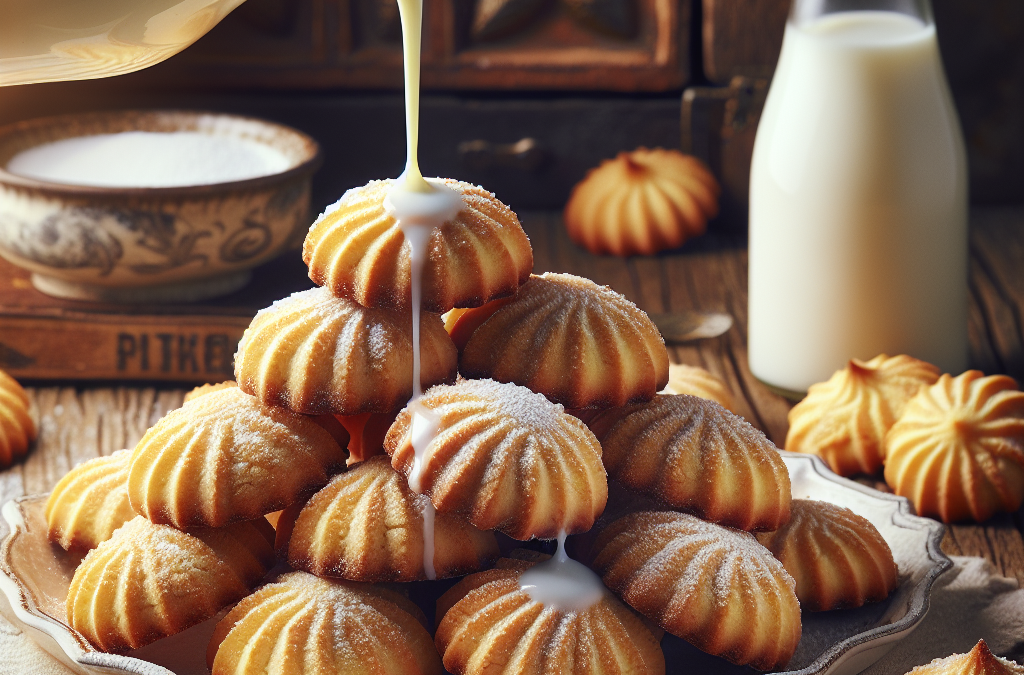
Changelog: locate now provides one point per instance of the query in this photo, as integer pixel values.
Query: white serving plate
(35, 575)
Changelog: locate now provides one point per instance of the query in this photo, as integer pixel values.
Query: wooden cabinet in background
(606, 45)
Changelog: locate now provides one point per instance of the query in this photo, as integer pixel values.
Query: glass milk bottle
(858, 197)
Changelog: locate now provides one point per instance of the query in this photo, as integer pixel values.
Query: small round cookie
(978, 661)
(692, 454)
(696, 381)
(844, 420)
(506, 457)
(314, 353)
(715, 587)
(209, 389)
(225, 457)
(150, 581)
(579, 344)
(957, 452)
(491, 624)
(90, 502)
(356, 249)
(367, 525)
(837, 558)
(17, 430)
(303, 624)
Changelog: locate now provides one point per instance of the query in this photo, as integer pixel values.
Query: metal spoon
(690, 325)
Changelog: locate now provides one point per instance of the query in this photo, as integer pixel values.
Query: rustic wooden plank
(742, 37)
(998, 541)
(997, 249)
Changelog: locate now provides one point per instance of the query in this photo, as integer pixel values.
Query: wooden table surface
(709, 274)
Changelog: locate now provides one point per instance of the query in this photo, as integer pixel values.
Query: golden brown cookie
(315, 353)
(957, 452)
(696, 381)
(357, 250)
(209, 389)
(844, 420)
(490, 625)
(692, 454)
(715, 587)
(506, 457)
(225, 457)
(579, 344)
(90, 502)
(150, 581)
(837, 558)
(367, 525)
(642, 202)
(17, 430)
(978, 661)
(302, 624)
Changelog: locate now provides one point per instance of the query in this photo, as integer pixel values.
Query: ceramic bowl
(35, 575)
(168, 244)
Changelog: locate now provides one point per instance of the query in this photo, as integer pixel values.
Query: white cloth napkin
(969, 602)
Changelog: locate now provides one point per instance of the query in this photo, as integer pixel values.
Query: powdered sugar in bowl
(156, 206)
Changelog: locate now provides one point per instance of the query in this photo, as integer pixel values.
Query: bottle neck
(805, 11)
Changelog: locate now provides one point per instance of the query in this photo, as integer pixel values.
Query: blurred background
(523, 96)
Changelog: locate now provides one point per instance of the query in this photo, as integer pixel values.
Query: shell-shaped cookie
(837, 558)
(978, 661)
(642, 202)
(579, 344)
(303, 624)
(693, 454)
(315, 353)
(957, 452)
(90, 502)
(367, 525)
(715, 587)
(494, 627)
(844, 420)
(696, 381)
(17, 430)
(150, 581)
(506, 457)
(225, 457)
(357, 250)
(209, 389)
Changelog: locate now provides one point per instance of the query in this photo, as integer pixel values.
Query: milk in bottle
(858, 199)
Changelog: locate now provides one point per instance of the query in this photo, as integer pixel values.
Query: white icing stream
(562, 583)
(418, 206)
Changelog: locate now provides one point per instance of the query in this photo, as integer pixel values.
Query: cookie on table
(356, 249)
(957, 452)
(844, 421)
(17, 430)
(579, 344)
(694, 455)
(367, 525)
(303, 624)
(696, 381)
(838, 558)
(225, 457)
(715, 587)
(90, 502)
(150, 581)
(315, 353)
(507, 458)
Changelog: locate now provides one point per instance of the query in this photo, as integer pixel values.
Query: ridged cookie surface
(150, 581)
(90, 502)
(715, 587)
(507, 458)
(224, 457)
(315, 353)
(17, 430)
(693, 454)
(357, 250)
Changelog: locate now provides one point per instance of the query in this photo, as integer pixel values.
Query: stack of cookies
(543, 389)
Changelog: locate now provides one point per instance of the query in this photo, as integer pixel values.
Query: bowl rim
(314, 157)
